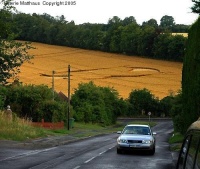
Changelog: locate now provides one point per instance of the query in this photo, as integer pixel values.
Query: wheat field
(123, 73)
(183, 34)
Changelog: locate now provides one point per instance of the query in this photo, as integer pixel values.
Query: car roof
(195, 125)
(139, 125)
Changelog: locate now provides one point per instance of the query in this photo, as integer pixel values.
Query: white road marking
(77, 167)
(27, 154)
(98, 155)
(102, 152)
(89, 160)
(111, 147)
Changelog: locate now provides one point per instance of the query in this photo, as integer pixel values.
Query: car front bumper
(135, 146)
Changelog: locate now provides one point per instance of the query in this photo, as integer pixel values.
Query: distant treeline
(117, 36)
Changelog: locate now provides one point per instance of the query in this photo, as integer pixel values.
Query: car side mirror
(154, 133)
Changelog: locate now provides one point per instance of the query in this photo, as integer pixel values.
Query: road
(92, 153)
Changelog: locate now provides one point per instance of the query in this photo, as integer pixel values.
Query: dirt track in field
(123, 73)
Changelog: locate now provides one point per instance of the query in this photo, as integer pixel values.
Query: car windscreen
(136, 130)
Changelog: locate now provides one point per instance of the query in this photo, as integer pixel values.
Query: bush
(3, 93)
(35, 102)
(96, 104)
(190, 77)
(176, 112)
(142, 101)
(52, 111)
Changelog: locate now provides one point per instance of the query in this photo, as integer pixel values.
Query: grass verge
(176, 141)
(21, 129)
(18, 129)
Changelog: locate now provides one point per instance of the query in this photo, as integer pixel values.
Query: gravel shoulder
(39, 143)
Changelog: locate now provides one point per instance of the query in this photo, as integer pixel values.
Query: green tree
(128, 20)
(51, 111)
(69, 34)
(5, 21)
(180, 28)
(151, 22)
(35, 102)
(3, 94)
(167, 23)
(146, 41)
(112, 37)
(12, 53)
(22, 23)
(115, 21)
(96, 104)
(160, 46)
(142, 101)
(169, 47)
(176, 112)
(196, 7)
(25, 100)
(115, 40)
(77, 35)
(191, 78)
(176, 47)
(95, 38)
(26, 25)
(85, 101)
(129, 38)
(166, 104)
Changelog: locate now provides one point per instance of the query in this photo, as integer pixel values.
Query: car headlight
(121, 140)
(147, 141)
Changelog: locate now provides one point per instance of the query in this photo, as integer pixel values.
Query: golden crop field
(183, 34)
(123, 73)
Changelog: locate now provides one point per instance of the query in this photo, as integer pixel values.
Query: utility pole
(53, 72)
(68, 96)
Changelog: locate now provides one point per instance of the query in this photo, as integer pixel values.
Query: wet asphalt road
(92, 153)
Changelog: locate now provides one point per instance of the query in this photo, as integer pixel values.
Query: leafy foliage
(177, 113)
(96, 104)
(3, 93)
(12, 53)
(167, 22)
(34, 102)
(119, 36)
(142, 101)
(186, 105)
(152, 23)
(146, 41)
(166, 105)
(52, 111)
(196, 7)
(191, 78)
(91, 103)
(169, 47)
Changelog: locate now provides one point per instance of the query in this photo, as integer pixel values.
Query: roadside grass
(21, 129)
(17, 129)
(88, 129)
(176, 141)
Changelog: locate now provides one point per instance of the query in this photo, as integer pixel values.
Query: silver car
(136, 137)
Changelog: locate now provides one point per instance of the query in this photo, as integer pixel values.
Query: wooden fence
(58, 125)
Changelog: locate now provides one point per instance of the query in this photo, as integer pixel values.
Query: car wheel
(152, 152)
